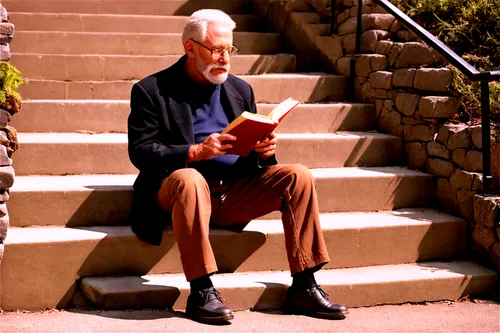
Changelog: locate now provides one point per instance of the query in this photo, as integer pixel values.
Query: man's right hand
(215, 144)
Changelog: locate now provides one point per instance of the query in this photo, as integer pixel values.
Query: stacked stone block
(455, 157)
(6, 34)
(413, 100)
(486, 234)
(405, 80)
(8, 137)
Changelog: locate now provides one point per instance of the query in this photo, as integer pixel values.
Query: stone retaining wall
(410, 88)
(8, 137)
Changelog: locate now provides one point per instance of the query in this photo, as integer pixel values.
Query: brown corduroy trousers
(196, 204)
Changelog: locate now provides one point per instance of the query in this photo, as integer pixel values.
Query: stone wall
(8, 137)
(6, 34)
(410, 88)
(486, 230)
(405, 80)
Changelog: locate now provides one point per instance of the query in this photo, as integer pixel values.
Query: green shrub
(471, 28)
(10, 79)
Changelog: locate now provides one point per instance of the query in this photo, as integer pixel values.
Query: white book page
(279, 111)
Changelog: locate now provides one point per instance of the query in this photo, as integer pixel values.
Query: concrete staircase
(69, 243)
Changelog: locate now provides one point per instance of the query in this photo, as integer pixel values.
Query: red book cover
(249, 128)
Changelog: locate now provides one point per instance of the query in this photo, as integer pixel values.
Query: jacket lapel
(231, 101)
(181, 113)
(180, 110)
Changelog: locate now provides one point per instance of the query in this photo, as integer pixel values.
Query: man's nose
(224, 57)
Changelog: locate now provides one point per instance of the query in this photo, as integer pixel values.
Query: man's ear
(189, 48)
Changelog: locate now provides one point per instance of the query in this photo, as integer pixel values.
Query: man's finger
(226, 146)
(265, 149)
(226, 137)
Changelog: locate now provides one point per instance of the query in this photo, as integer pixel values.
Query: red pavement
(436, 317)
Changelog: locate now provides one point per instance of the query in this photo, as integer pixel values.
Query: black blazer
(160, 132)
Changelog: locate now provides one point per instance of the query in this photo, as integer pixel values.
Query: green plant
(470, 93)
(472, 30)
(10, 79)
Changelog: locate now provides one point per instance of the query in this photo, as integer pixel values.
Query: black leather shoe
(313, 302)
(206, 307)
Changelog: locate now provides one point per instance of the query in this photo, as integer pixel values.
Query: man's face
(214, 69)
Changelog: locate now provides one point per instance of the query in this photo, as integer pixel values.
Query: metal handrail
(468, 70)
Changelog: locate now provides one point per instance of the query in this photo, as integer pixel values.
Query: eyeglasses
(218, 51)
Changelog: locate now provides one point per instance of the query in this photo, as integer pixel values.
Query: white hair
(197, 25)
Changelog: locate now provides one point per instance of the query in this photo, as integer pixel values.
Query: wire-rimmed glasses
(218, 51)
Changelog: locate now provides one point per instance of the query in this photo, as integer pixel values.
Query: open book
(249, 127)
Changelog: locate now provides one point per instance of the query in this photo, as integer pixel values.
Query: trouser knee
(188, 179)
(182, 187)
(299, 172)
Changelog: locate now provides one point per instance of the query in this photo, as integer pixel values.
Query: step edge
(366, 171)
(364, 278)
(329, 223)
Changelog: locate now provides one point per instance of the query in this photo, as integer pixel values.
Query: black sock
(203, 282)
(305, 279)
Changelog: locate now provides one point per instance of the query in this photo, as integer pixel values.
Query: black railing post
(358, 27)
(357, 50)
(486, 137)
(333, 18)
(351, 97)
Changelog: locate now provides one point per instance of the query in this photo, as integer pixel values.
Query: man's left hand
(266, 148)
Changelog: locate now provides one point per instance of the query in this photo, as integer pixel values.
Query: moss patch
(10, 79)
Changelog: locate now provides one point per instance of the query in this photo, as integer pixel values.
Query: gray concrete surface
(479, 316)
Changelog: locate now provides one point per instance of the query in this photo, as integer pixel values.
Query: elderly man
(187, 178)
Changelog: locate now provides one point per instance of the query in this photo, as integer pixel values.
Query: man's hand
(266, 148)
(214, 145)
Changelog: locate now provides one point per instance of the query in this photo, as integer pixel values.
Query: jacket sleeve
(149, 146)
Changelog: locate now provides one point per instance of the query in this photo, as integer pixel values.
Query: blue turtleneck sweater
(209, 118)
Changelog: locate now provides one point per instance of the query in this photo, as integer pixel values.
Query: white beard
(213, 78)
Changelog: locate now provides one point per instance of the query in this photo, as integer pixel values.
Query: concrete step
(106, 199)
(354, 287)
(78, 153)
(402, 236)
(116, 67)
(119, 23)
(61, 42)
(268, 88)
(144, 7)
(111, 116)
